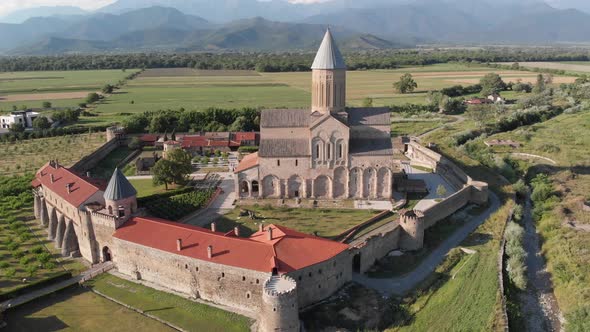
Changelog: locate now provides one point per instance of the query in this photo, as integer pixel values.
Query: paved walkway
(433, 181)
(84, 276)
(402, 285)
(373, 205)
(539, 305)
(220, 206)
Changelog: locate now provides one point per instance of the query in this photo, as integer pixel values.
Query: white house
(25, 118)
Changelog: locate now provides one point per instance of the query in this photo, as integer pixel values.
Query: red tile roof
(81, 188)
(149, 138)
(288, 251)
(245, 136)
(248, 162)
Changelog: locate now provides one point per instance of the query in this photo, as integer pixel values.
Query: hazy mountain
(108, 26)
(22, 15)
(252, 34)
(582, 5)
(13, 35)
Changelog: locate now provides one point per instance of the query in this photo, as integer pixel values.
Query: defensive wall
(408, 232)
(115, 138)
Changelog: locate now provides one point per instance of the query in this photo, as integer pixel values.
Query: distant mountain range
(198, 25)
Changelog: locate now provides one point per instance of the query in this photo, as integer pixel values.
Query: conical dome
(328, 56)
(119, 187)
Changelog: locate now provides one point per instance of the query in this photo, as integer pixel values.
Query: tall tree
(182, 160)
(165, 172)
(491, 83)
(405, 84)
(540, 86)
(41, 122)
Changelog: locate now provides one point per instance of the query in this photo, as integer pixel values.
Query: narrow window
(296, 162)
(329, 151)
(278, 163)
(317, 151)
(340, 151)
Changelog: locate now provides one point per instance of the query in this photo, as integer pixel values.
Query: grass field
(29, 155)
(145, 187)
(29, 84)
(106, 167)
(78, 309)
(193, 89)
(179, 311)
(570, 67)
(324, 222)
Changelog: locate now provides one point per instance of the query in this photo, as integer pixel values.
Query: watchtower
(412, 222)
(117, 133)
(280, 307)
(120, 197)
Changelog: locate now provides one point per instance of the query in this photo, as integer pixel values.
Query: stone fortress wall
(408, 233)
(115, 139)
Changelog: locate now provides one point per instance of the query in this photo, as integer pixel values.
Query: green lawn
(106, 167)
(324, 222)
(179, 311)
(78, 309)
(146, 187)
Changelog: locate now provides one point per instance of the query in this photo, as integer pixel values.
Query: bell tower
(328, 93)
(120, 197)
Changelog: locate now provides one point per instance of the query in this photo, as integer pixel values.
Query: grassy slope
(566, 250)
(181, 312)
(76, 309)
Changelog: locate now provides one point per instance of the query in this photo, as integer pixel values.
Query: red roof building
(285, 251)
(248, 162)
(73, 188)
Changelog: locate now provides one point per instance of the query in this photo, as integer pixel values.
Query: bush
(12, 246)
(17, 254)
(579, 319)
(515, 266)
(38, 249)
(521, 188)
(9, 272)
(4, 265)
(247, 149)
(43, 257)
(31, 270)
(49, 266)
(24, 261)
(518, 213)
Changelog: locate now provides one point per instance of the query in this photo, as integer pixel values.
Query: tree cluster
(211, 119)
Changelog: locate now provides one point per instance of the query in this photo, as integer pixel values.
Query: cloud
(7, 6)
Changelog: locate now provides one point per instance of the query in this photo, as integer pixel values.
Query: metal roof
(119, 187)
(328, 56)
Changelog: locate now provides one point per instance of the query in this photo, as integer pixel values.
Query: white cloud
(7, 6)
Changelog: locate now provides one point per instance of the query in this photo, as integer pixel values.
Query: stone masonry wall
(376, 246)
(446, 207)
(231, 286)
(90, 161)
(320, 281)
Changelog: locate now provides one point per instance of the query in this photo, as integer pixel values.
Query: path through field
(539, 305)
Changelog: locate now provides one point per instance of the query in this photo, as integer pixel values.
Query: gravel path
(539, 305)
(404, 284)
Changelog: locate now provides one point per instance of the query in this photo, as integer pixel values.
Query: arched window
(317, 151)
(329, 151)
(340, 152)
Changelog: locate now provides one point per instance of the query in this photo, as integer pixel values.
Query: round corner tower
(328, 78)
(280, 308)
(412, 222)
(115, 133)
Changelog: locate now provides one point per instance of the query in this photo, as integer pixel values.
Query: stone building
(273, 273)
(326, 152)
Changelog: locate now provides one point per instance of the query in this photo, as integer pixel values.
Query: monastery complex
(327, 152)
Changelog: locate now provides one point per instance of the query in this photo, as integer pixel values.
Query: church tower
(329, 78)
(120, 197)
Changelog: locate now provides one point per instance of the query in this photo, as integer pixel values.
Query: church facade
(326, 152)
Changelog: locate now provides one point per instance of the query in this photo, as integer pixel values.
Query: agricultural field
(158, 89)
(569, 67)
(61, 88)
(27, 156)
(24, 249)
(322, 222)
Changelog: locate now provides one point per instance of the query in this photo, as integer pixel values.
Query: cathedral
(327, 152)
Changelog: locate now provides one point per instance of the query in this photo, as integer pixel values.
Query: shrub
(24, 260)
(37, 249)
(4, 265)
(518, 213)
(515, 266)
(49, 266)
(25, 236)
(9, 272)
(12, 246)
(520, 188)
(579, 319)
(31, 270)
(43, 257)
(17, 254)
